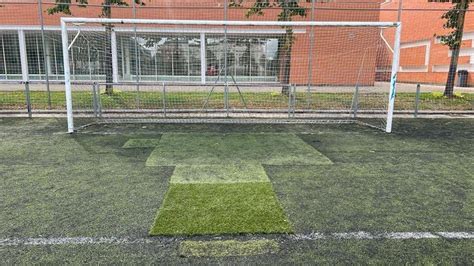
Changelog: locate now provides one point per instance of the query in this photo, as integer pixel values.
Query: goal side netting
(126, 70)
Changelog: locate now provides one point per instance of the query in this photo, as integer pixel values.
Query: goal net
(125, 70)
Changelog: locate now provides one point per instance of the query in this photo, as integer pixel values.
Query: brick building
(340, 56)
(423, 58)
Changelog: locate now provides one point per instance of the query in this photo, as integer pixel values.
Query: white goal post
(73, 25)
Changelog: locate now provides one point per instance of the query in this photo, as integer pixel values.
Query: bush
(437, 95)
(440, 95)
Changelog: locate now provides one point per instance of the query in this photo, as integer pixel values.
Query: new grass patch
(227, 173)
(225, 248)
(198, 209)
(211, 148)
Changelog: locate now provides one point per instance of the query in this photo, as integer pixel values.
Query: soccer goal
(141, 70)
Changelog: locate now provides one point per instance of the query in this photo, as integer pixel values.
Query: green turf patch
(198, 209)
(141, 143)
(287, 149)
(210, 148)
(227, 173)
(226, 248)
(202, 148)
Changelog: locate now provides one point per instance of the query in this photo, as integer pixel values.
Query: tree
(289, 9)
(455, 21)
(64, 6)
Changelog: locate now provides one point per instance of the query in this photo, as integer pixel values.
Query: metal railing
(24, 98)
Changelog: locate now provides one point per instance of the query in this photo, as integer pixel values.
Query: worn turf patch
(376, 197)
(202, 148)
(197, 209)
(141, 143)
(210, 148)
(287, 149)
(227, 173)
(226, 248)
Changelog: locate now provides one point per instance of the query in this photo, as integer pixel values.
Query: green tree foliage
(455, 22)
(64, 6)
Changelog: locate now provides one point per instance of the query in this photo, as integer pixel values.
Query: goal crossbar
(230, 22)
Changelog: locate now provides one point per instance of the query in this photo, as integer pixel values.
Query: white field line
(71, 241)
(361, 235)
(386, 235)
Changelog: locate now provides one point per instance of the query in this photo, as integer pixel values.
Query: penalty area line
(360, 235)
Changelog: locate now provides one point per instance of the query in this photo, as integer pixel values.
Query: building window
(159, 58)
(10, 65)
(36, 57)
(150, 56)
(248, 59)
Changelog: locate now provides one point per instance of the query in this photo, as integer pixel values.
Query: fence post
(203, 57)
(291, 101)
(226, 86)
(137, 97)
(28, 98)
(45, 52)
(138, 64)
(94, 99)
(417, 99)
(355, 102)
(400, 9)
(99, 101)
(294, 99)
(164, 99)
(310, 57)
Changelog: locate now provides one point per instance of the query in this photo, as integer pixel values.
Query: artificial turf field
(259, 190)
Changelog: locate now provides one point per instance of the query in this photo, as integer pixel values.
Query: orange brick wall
(425, 26)
(414, 56)
(341, 66)
(337, 54)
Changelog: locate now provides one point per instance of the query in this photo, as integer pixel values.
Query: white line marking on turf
(71, 241)
(457, 235)
(411, 235)
(361, 235)
(386, 235)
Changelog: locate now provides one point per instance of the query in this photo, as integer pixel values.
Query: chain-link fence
(148, 65)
